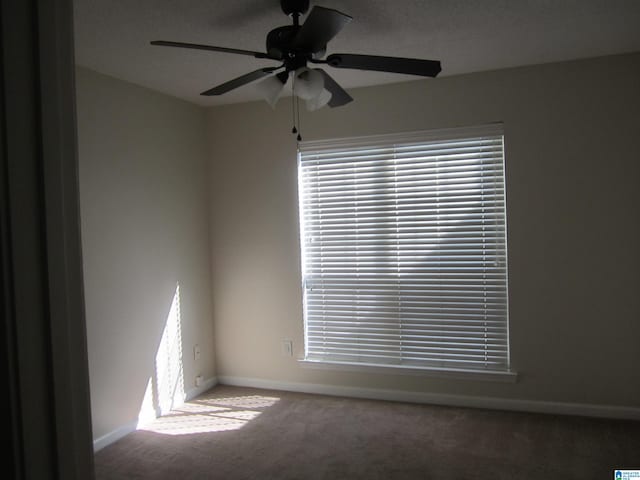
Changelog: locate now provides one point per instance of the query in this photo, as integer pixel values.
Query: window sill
(461, 374)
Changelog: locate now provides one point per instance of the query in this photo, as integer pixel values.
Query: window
(404, 250)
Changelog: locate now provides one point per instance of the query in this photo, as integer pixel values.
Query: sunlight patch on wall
(148, 412)
(165, 389)
(213, 414)
(169, 371)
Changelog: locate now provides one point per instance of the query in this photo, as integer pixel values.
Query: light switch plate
(287, 348)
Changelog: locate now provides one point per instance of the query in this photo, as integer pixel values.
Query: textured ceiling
(112, 37)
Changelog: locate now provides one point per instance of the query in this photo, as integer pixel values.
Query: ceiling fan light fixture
(271, 89)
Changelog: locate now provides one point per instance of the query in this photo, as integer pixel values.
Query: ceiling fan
(298, 45)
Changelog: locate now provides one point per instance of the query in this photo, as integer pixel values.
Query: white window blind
(404, 250)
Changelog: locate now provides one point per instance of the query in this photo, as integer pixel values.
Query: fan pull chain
(294, 130)
(295, 110)
(299, 137)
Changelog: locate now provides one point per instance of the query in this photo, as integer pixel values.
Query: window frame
(439, 135)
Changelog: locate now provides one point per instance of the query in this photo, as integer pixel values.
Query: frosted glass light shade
(271, 89)
(308, 83)
(319, 101)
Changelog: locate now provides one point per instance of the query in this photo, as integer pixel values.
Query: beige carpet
(239, 433)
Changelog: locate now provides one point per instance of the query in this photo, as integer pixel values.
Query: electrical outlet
(198, 380)
(287, 348)
(196, 352)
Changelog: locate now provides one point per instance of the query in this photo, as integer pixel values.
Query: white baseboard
(536, 406)
(195, 391)
(118, 433)
(114, 436)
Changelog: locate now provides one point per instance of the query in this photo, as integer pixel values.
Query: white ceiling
(112, 37)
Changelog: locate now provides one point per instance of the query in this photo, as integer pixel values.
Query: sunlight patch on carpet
(208, 415)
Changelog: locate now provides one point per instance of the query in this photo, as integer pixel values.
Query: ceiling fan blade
(240, 81)
(320, 26)
(164, 43)
(339, 96)
(411, 66)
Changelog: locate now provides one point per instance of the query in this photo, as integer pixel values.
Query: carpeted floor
(238, 433)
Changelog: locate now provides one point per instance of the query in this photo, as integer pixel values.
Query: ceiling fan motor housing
(291, 7)
(279, 41)
(280, 46)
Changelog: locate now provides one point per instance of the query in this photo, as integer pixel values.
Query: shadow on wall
(165, 387)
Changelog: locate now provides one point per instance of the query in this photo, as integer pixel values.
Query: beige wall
(573, 168)
(144, 208)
